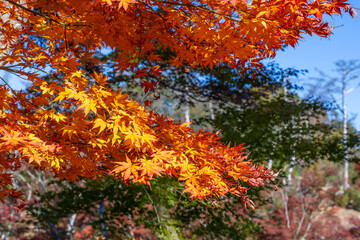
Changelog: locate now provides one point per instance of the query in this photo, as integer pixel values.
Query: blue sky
(314, 52)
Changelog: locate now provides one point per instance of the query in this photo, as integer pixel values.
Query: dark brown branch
(45, 16)
(201, 8)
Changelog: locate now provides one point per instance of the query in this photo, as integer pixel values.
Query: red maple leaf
(148, 85)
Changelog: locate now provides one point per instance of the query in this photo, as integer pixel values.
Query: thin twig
(202, 8)
(44, 16)
(11, 89)
(16, 95)
(155, 208)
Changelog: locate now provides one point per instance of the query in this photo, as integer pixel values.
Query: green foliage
(273, 125)
(334, 143)
(350, 198)
(156, 212)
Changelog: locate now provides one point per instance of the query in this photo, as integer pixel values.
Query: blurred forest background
(307, 140)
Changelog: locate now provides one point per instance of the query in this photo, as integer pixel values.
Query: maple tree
(76, 125)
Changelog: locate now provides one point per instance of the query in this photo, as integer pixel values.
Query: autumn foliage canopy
(75, 125)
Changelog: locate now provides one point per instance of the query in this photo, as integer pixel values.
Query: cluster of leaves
(334, 143)
(105, 133)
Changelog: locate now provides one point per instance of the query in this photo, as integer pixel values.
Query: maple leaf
(12, 139)
(88, 105)
(150, 169)
(125, 4)
(147, 103)
(109, 2)
(100, 123)
(164, 156)
(148, 85)
(126, 169)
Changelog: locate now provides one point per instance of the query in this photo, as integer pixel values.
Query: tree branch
(202, 8)
(45, 16)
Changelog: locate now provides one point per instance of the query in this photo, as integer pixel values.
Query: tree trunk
(293, 158)
(186, 108)
(346, 158)
(211, 108)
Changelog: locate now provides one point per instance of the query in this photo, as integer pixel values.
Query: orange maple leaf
(125, 4)
(126, 169)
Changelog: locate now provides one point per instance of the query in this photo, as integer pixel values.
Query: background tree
(348, 71)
